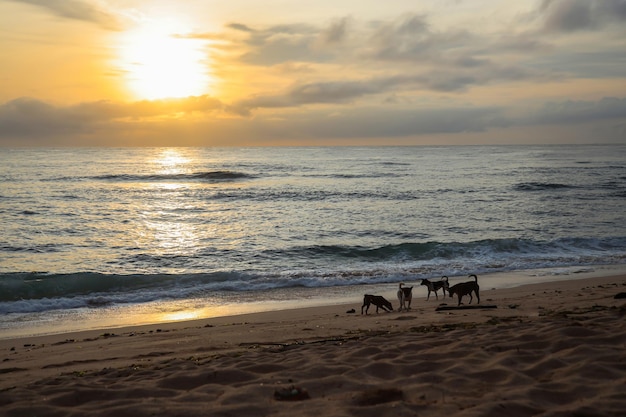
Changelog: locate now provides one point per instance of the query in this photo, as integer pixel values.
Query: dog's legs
(367, 307)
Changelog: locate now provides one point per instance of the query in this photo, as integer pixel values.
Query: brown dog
(466, 288)
(405, 295)
(378, 300)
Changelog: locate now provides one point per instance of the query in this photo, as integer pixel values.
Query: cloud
(240, 27)
(28, 117)
(78, 10)
(447, 61)
(382, 122)
(575, 112)
(317, 93)
(348, 78)
(336, 32)
(582, 64)
(409, 52)
(410, 55)
(279, 44)
(576, 15)
(408, 38)
(347, 91)
(30, 121)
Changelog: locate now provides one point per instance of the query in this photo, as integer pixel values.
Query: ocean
(106, 237)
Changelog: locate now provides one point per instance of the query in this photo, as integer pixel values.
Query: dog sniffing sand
(378, 300)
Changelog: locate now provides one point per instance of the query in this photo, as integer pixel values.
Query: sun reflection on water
(180, 315)
(166, 227)
(172, 161)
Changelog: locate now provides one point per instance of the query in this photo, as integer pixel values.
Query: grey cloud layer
(27, 117)
(574, 15)
(572, 112)
(33, 120)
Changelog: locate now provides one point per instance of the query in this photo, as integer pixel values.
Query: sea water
(96, 237)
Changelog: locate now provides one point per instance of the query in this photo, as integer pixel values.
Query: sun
(160, 63)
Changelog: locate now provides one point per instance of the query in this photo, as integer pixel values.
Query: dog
(378, 300)
(405, 295)
(434, 286)
(466, 288)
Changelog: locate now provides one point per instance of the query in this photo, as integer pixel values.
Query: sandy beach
(551, 349)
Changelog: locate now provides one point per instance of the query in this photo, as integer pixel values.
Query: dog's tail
(401, 284)
(444, 278)
(475, 277)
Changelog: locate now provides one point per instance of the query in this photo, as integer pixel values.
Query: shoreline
(161, 314)
(553, 348)
(418, 304)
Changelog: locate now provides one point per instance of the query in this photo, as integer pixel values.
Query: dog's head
(387, 304)
(424, 282)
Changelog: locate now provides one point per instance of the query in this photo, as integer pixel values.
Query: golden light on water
(181, 315)
(165, 225)
(172, 161)
(159, 63)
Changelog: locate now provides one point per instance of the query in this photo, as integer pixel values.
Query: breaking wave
(213, 176)
(353, 265)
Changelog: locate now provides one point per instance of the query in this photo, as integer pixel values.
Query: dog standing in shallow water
(466, 288)
(405, 295)
(434, 286)
(378, 300)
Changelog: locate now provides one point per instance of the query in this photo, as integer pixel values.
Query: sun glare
(170, 161)
(160, 64)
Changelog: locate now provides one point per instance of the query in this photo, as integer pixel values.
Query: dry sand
(553, 349)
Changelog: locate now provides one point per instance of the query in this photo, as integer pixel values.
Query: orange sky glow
(244, 73)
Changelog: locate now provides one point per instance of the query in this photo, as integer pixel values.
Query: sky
(294, 72)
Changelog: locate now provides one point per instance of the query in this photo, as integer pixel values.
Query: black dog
(466, 288)
(434, 286)
(378, 300)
